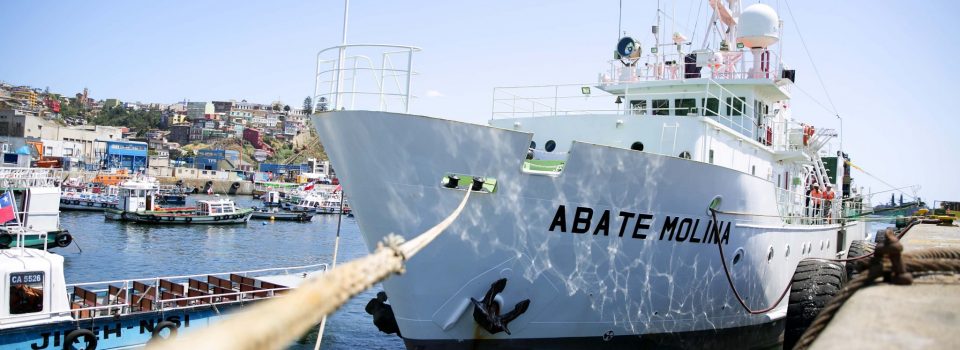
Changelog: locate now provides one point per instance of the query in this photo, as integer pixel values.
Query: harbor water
(117, 250)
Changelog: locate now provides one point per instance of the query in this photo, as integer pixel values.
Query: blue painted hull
(112, 332)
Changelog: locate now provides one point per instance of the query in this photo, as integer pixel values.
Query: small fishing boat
(34, 239)
(307, 204)
(333, 204)
(138, 203)
(36, 197)
(46, 313)
(272, 199)
(172, 195)
(274, 214)
(86, 201)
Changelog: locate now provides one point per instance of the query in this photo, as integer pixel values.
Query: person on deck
(816, 197)
(828, 197)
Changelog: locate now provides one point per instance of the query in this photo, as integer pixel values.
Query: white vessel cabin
(138, 196)
(726, 104)
(216, 207)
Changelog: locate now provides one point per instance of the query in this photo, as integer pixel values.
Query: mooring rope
(937, 260)
(786, 290)
(277, 322)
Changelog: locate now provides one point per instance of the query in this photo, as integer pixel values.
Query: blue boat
(38, 310)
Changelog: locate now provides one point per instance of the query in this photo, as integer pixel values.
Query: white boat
(139, 203)
(41, 311)
(88, 201)
(307, 204)
(36, 193)
(598, 215)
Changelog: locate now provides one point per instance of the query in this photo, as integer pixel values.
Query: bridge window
(711, 107)
(533, 144)
(736, 105)
(639, 107)
(711, 156)
(685, 155)
(685, 106)
(661, 107)
(637, 146)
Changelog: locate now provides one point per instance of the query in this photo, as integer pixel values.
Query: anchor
(486, 312)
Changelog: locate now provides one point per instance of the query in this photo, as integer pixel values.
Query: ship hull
(619, 245)
(172, 219)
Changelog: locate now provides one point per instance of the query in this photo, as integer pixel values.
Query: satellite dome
(759, 26)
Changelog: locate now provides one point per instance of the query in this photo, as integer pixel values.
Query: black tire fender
(76, 334)
(858, 248)
(63, 240)
(814, 284)
(160, 327)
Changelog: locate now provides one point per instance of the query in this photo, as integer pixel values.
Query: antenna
(620, 20)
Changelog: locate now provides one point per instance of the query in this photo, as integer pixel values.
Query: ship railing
(721, 65)
(111, 306)
(29, 177)
(364, 76)
(713, 101)
(802, 209)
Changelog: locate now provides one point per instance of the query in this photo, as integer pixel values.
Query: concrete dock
(924, 315)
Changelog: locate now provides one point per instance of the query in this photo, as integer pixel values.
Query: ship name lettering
(582, 221)
(674, 228)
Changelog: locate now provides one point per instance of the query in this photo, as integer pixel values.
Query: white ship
(600, 217)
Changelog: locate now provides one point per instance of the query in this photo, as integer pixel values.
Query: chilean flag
(309, 186)
(6, 208)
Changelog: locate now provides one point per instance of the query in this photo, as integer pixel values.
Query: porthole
(738, 256)
(533, 144)
(685, 155)
(550, 146)
(637, 146)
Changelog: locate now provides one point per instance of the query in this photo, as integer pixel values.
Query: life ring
(76, 334)
(63, 240)
(160, 327)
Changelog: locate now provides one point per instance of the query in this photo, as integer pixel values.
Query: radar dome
(759, 26)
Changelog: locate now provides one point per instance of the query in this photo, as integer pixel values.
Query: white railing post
(556, 96)
(409, 77)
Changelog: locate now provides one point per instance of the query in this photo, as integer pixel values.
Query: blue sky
(888, 67)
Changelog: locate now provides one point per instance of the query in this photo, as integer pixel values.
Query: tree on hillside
(286, 108)
(901, 199)
(308, 105)
(893, 201)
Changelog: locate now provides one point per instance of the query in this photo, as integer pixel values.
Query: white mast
(343, 43)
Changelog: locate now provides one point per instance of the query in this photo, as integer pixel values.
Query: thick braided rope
(937, 260)
(277, 322)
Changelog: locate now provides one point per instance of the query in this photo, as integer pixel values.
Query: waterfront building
(130, 155)
(199, 110)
